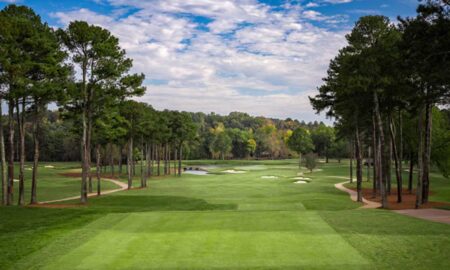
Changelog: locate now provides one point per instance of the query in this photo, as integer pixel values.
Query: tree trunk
(120, 160)
(97, 151)
(21, 126)
(175, 161)
(84, 140)
(388, 163)
(142, 164)
(359, 170)
(130, 162)
(37, 121)
(351, 162)
(400, 147)
(411, 173)
(180, 156)
(368, 163)
(11, 151)
(111, 158)
(427, 153)
(158, 158)
(397, 165)
(3, 174)
(299, 160)
(381, 150)
(420, 162)
(374, 157)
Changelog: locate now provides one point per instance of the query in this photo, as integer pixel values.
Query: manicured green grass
(224, 221)
(52, 185)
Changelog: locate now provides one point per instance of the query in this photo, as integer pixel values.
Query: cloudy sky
(263, 57)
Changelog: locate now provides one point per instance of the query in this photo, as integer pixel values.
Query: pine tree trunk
(368, 164)
(180, 156)
(388, 166)
(420, 162)
(97, 151)
(351, 163)
(11, 152)
(382, 153)
(111, 158)
(397, 165)
(175, 161)
(84, 141)
(400, 147)
(427, 153)
(37, 121)
(169, 157)
(374, 157)
(3, 173)
(129, 162)
(120, 160)
(142, 164)
(359, 170)
(158, 158)
(21, 125)
(411, 173)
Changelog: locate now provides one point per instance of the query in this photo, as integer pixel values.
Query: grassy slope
(224, 221)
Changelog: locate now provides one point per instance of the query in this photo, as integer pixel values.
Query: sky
(262, 57)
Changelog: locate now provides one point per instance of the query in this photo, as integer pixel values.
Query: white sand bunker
(301, 178)
(269, 177)
(233, 171)
(300, 182)
(49, 166)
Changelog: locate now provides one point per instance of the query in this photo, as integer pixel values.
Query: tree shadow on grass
(130, 203)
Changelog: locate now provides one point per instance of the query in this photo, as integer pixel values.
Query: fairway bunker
(233, 171)
(196, 172)
(301, 182)
(269, 177)
(301, 178)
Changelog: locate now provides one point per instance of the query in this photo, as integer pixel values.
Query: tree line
(389, 91)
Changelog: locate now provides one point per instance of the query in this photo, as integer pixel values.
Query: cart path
(354, 195)
(436, 215)
(122, 186)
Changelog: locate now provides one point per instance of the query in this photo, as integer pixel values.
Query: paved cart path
(437, 215)
(122, 186)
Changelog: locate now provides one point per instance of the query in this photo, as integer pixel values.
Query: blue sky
(263, 57)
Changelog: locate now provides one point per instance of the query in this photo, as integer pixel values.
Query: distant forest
(237, 135)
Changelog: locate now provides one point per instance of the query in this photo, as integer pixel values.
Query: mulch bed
(408, 200)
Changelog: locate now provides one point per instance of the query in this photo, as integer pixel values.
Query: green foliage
(300, 141)
(322, 138)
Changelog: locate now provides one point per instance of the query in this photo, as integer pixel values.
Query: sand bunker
(196, 172)
(300, 182)
(301, 178)
(269, 177)
(233, 171)
(49, 166)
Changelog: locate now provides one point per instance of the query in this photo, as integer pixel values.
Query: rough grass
(224, 221)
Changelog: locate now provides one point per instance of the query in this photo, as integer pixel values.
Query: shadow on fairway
(136, 203)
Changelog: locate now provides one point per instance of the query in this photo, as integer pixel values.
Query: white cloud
(252, 58)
